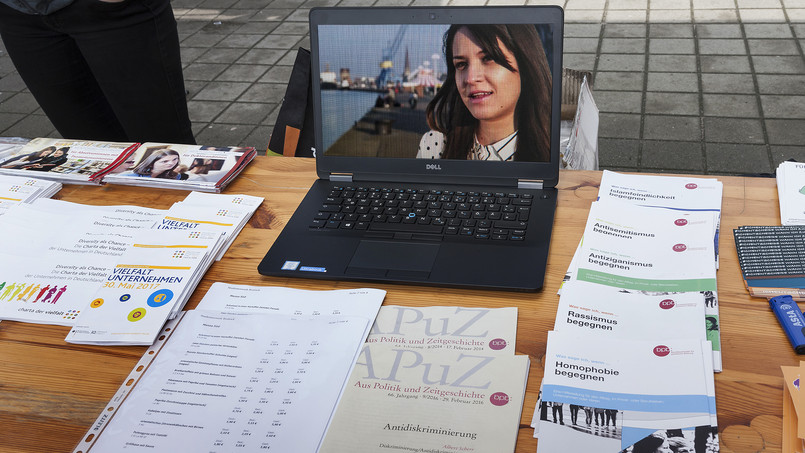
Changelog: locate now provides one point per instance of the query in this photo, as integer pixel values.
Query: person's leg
(55, 72)
(132, 48)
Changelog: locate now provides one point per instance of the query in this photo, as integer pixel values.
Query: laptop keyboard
(498, 216)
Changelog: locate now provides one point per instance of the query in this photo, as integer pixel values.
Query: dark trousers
(103, 71)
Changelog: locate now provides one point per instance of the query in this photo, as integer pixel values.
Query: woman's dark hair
(532, 117)
(714, 322)
(648, 444)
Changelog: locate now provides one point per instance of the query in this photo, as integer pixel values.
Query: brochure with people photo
(66, 161)
(187, 167)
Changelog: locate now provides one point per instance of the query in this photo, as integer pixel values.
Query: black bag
(293, 131)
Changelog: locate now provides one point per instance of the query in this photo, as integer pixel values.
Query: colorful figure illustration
(41, 291)
(25, 293)
(2, 285)
(50, 293)
(58, 294)
(33, 291)
(16, 291)
(7, 291)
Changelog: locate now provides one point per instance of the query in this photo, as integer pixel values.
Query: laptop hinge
(529, 184)
(341, 177)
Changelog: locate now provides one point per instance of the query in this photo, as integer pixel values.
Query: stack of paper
(791, 192)
(187, 167)
(253, 369)
(793, 409)
(16, 189)
(67, 161)
(434, 379)
(638, 310)
(772, 260)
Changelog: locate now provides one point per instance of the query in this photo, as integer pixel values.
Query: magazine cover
(188, 167)
(67, 161)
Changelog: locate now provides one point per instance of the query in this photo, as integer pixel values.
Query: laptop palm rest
(381, 256)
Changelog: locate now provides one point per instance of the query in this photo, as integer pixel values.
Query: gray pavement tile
(618, 81)
(21, 102)
(277, 74)
(619, 125)
(614, 62)
(773, 47)
(259, 138)
(263, 56)
(245, 113)
(673, 81)
(272, 15)
(722, 47)
(221, 91)
(786, 106)
(719, 63)
(672, 63)
(778, 65)
(618, 153)
(672, 155)
(243, 40)
(623, 45)
(719, 30)
(715, 16)
(670, 4)
(672, 103)
(224, 135)
(285, 4)
(10, 119)
(279, 41)
(203, 39)
(182, 4)
(781, 84)
(357, 3)
(272, 117)
(767, 31)
(765, 4)
(264, 92)
(676, 128)
(205, 111)
(762, 15)
(728, 83)
(216, 55)
(32, 126)
(582, 30)
(217, 4)
(670, 31)
(580, 15)
(669, 15)
(257, 28)
(191, 54)
(242, 73)
(628, 4)
(733, 130)
(628, 16)
(289, 57)
(579, 45)
(300, 15)
(12, 82)
(733, 105)
(319, 3)
(619, 101)
(737, 158)
(203, 71)
(684, 46)
(799, 30)
(194, 86)
(581, 61)
(585, 4)
(6, 66)
(780, 154)
(625, 30)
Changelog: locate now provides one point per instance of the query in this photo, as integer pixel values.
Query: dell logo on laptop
(433, 167)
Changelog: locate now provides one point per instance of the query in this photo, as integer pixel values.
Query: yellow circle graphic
(136, 314)
(96, 303)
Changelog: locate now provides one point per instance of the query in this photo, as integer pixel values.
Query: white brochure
(228, 221)
(225, 383)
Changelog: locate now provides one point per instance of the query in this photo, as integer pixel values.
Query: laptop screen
(458, 87)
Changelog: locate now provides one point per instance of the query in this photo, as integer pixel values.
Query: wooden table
(52, 391)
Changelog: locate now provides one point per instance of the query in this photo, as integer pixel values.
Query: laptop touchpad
(403, 256)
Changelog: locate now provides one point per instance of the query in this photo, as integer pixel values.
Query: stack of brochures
(188, 167)
(791, 192)
(172, 166)
(433, 379)
(772, 260)
(251, 369)
(793, 409)
(16, 189)
(629, 365)
(102, 249)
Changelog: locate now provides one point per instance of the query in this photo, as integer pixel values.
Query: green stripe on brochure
(644, 284)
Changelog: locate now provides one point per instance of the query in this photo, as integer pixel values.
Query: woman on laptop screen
(495, 102)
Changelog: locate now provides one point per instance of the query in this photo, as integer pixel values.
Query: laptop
(437, 134)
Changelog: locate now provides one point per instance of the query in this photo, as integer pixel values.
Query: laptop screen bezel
(447, 170)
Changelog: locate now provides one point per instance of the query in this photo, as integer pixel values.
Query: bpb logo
(681, 222)
(497, 344)
(667, 304)
(499, 399)
(680, 247)
(662, 350)
(691, 185)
